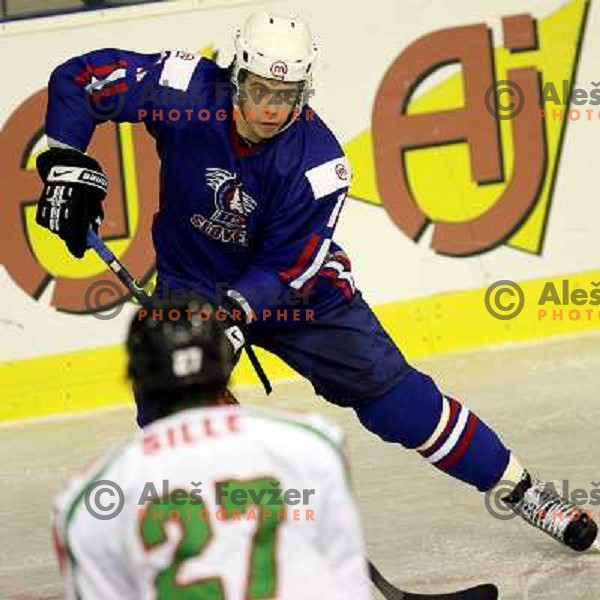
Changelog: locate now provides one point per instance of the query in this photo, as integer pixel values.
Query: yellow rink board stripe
(422, 327)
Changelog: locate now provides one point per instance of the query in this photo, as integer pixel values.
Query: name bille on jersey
(233, 206)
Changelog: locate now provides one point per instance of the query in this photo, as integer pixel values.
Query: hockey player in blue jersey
(252, 185)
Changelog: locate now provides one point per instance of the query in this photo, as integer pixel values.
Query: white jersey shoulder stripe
(329, 177)
(178, 70)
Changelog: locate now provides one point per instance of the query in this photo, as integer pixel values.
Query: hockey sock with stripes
(415, 414)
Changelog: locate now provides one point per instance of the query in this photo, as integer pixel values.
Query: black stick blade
(487, 591)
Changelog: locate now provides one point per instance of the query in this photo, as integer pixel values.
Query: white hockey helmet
(275, 47)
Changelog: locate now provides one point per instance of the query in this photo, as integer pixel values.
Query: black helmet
(178, 345)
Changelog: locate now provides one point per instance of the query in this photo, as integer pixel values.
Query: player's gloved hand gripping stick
(70, 206)
(118, 268)
(71, 202)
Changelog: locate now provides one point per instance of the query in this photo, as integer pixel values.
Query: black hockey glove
(238, 315)
(74, 187)
(235, 324)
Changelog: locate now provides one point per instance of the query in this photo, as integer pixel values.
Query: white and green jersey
(223, 503)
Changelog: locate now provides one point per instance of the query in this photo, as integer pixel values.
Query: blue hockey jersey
(258, 219)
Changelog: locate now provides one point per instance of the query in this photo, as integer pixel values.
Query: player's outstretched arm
(85, 91)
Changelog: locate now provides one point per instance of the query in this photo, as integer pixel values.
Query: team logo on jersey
(229, 222)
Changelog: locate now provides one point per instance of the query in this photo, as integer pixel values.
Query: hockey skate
(539, 504)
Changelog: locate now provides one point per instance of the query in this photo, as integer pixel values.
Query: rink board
(422, 328)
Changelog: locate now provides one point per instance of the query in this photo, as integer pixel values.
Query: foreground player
(223, 530)
(250, 198)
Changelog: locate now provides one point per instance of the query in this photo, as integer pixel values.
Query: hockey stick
(118, 268)
(486, 591)
(121, 271)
